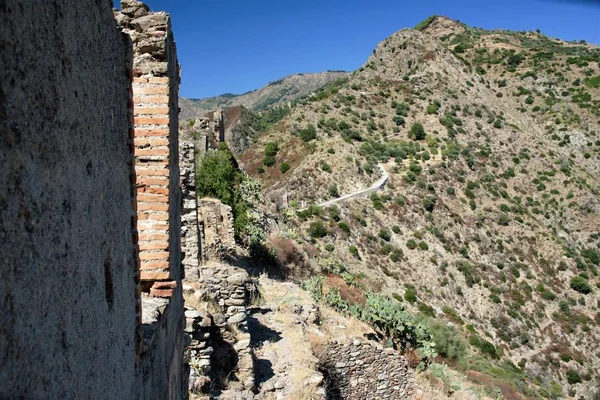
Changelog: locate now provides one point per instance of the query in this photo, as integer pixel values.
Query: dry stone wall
(216, 224)
(67, 303)
(364, 370)
(219, 341)
(190, 239)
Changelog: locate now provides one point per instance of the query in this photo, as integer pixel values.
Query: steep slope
(276, 93)
(490, 217)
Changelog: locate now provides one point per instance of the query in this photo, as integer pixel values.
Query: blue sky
(240, 45)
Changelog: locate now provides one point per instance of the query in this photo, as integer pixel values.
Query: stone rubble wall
(216, 223)
(223, 332)
(364, 370)
(190, 239)
(201, 127)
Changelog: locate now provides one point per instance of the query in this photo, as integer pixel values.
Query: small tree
(580, 284)
(417, 131)
(385, 235)
(573, 376)
(333, 190)
(309, 133)
(317, 229)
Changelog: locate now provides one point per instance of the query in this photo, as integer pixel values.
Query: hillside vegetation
(487, 230)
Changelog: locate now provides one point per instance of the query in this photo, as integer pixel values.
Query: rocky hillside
(487, 226)
(276, 93)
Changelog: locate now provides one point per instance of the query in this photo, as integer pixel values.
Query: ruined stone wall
(155, 109)
(190, 240)
(219, 340)
(216, 224)
(364, 370)
(67, 303)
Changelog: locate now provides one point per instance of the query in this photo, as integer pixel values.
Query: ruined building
(91, 301)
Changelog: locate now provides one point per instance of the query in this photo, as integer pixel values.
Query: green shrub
(344, 227)
(484, 346)
(354, 251)
(399, 120)
(218, 176)
(573, 376)
(423, 245)
(396, 255)
(284, 167)
(580, 284)
(329, 247)
(309, 133)
(592, 255)
(385, 235)
(429, 203)
(325, 167)
(448, 341)
(269, 161)
(317, 229)
(425, 23)
(503, 219)
(333, 190)
(426, 309)
(411, 244)
(271, 149)
(334, 213)
(386, 249)
(417, 131)
(410, 294)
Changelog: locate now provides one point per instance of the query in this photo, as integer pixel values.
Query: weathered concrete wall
(67, 293)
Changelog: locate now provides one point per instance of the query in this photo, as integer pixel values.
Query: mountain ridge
(275, 93)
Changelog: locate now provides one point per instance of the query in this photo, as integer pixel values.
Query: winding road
(379, 184)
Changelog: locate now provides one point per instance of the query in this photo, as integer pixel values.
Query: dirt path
(284, 362)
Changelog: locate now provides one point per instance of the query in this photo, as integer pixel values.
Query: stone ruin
(365, 370)
(102, 234)
(90, 212)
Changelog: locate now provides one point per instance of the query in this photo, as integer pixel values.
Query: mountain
(485, 148)
(279, 92)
